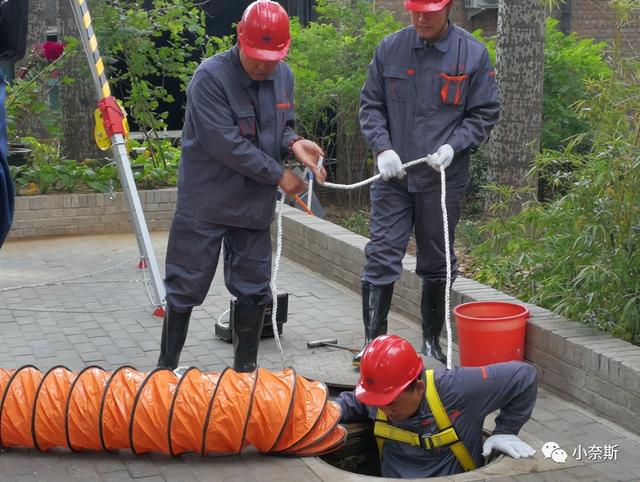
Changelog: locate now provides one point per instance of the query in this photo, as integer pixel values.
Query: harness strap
(428, 442)
(444, 422)
(447, 435)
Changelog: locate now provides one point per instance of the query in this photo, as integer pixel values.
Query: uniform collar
(244, 80)
(442, 44)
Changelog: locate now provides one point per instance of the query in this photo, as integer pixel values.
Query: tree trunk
(36, 35)
(519, 65)
(77, 100)
(36, 27)
(351, 167)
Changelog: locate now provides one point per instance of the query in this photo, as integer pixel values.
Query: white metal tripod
(113, 124)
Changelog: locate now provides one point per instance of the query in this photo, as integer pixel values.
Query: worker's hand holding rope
(441, 159)
(390, 165)
(309, 154)
(291, 183)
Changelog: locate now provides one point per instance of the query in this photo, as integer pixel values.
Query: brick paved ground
(104, 319)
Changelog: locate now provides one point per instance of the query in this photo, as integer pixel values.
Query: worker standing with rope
(239, 126)
(429, 424)
(430, 90)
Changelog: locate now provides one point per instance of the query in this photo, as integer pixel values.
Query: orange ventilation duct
(209, 413)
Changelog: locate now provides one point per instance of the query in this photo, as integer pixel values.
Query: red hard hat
(425, 5)
(263, 32)
(389, 364)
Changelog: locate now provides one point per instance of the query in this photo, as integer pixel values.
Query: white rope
(274, 281)
(445, 222)
(275, 267)
(371, 179)
(447, 254)
(443, 204)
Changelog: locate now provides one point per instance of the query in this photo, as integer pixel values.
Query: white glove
(442, 158)
(508, 444)
(390, 165)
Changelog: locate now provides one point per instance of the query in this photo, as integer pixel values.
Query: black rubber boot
(246, 331)
(376, 301)
(174, 334)
(433, 314)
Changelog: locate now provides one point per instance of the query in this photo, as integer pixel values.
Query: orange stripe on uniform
(484, 372)
(283, 105)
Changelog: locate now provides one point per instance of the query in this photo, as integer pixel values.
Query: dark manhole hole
(360, 452)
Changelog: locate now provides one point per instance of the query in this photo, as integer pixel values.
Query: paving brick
(118, 476)
(319, 308)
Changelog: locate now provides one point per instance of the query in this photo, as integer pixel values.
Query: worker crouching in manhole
(429, 424)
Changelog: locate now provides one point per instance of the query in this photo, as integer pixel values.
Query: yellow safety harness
(446, 437)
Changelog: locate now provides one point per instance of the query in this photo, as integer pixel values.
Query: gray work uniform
(235, 135)
(418, 97)
(6, 183)
(468, 395)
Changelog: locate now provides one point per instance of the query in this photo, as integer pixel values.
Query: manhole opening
(360, 452)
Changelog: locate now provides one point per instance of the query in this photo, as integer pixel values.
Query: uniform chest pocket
(398, 84)
(453, 89)
(245, 118)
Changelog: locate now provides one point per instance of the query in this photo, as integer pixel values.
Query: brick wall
(593, 18)
(584, 365)
(589, 18)
(66, 214)
(487, 20)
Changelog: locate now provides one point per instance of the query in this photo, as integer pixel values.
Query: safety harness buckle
(443, 438)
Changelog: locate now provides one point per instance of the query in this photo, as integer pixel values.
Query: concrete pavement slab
(82, 300)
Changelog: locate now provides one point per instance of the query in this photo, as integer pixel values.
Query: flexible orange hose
(209, 413)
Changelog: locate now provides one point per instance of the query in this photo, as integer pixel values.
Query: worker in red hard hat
(429, 423)
(430, 92)
(239, 128)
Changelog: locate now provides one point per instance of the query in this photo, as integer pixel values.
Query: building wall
(588, 18)
(593, 18)
(485, 20)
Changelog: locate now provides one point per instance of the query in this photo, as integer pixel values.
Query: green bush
(579, 255)
(28, 100)
(145, 43)
(47, 172)
(329, 59)
(570, 64)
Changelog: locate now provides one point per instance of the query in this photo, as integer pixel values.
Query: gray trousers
(395, 213)
(192, 258)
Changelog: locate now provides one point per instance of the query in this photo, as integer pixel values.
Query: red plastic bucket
(490, 332)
